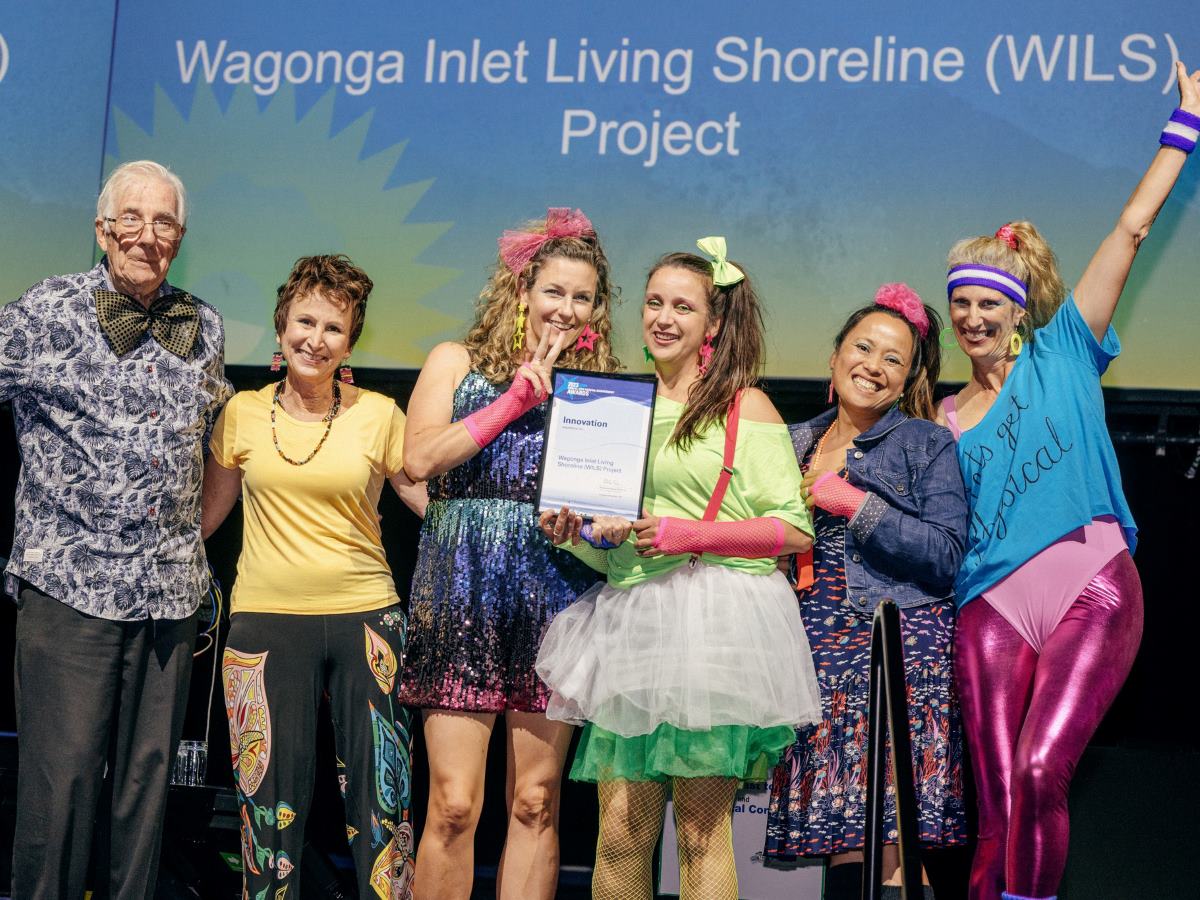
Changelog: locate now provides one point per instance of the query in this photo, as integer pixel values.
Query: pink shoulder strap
(731, 431)
(718, 494)
(950, 411)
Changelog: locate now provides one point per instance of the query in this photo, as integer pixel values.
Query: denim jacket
(907, 539)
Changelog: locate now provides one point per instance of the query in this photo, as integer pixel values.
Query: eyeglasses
(129, 225)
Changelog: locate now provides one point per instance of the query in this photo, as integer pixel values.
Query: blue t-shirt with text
(1041, 464)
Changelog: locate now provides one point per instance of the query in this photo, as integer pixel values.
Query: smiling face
(871, 365)
(138, 263)
(675, 318)
(561, 299)
(316, 337)
(984, 321)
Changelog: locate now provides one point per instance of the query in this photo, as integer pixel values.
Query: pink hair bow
(905, 301)
(518, 248)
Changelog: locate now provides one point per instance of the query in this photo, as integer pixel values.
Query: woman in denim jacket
(891, 517)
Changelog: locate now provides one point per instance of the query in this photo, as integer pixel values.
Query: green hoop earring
(942, 337)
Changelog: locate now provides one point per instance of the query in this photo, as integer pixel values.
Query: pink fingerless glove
(836, 495)
(485, 425)
(748, 539)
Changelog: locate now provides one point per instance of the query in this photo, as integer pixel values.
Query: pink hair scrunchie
(904, 300)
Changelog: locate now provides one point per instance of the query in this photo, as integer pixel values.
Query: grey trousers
(92, 693)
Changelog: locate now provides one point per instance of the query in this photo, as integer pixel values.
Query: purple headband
(988, 276)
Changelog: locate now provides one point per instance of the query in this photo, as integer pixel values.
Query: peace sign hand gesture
(537, 369)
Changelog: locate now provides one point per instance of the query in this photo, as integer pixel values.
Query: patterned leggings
(1029, 717)
(274, 671)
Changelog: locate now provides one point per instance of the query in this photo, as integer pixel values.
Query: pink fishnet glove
(485, 424)
(836, 495)
(747, 539)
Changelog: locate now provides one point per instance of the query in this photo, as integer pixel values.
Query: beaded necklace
(334, 407)
(816, 457)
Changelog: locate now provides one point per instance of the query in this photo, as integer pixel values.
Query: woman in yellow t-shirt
(314, 608)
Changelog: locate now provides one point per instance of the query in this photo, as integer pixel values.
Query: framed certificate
(597, 443)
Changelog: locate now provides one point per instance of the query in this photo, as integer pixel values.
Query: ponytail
(737, 348)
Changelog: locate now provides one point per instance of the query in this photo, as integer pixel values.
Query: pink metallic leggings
(1028, 718)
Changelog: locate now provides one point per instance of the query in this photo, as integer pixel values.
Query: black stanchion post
(876, 772)
(888, 715)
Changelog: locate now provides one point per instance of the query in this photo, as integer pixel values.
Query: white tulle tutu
(695, 648)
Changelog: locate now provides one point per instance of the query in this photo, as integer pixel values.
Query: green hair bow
(724, 272)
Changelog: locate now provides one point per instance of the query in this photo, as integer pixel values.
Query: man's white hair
(127, 173)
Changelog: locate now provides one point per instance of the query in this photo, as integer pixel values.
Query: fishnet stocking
(631, 817)
(704, 821)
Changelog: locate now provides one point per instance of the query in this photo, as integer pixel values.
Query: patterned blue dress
(487, 582)
(819, 790)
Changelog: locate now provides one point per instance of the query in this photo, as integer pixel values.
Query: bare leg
(537, 748)
(456, 746)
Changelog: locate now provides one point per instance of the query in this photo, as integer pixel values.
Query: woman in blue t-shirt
(1050, 602)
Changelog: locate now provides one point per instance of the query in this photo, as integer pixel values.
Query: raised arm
(222, 487)
(1100, 288)
(432, 443)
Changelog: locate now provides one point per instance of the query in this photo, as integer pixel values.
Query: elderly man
(115, 380)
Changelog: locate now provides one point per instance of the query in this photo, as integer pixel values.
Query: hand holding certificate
(597, 443)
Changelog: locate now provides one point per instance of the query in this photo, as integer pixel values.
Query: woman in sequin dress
(896, 528)
(486, 582)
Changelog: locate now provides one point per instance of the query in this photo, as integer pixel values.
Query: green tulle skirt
(729, 751)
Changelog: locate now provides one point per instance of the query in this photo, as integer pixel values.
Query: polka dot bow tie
(172, 320)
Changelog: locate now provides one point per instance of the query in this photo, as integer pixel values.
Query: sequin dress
(487, 582)
(819, 790)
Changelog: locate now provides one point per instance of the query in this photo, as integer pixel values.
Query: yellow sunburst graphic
(267, 186)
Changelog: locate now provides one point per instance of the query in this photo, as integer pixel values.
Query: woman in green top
(689, 676)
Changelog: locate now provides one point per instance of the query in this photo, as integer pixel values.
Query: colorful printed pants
(274, 671)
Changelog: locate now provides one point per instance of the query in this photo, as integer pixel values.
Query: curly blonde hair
(1032, 261)
(489, 342)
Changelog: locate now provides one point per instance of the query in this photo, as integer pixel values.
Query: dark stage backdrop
(1131, 803)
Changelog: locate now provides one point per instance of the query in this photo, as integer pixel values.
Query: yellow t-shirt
(310, 539)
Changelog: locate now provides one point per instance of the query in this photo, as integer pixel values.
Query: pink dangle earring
(706, 352)
(345, 373)
(276, 360)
